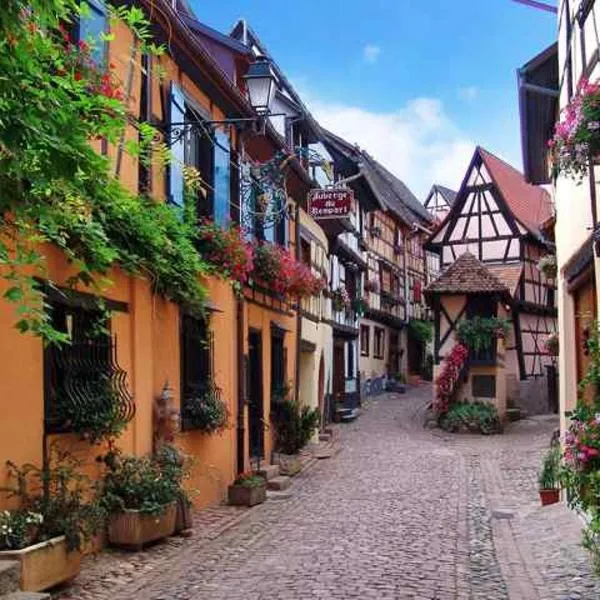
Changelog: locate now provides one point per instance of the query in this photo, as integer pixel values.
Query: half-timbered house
(439, 201)
(395, 225)
(497, 219)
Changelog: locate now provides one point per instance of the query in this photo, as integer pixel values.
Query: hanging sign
(330, 204)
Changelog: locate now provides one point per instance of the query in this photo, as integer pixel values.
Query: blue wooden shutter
(222, 189)
(176, 115)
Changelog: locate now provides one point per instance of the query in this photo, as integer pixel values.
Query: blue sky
(417, 83)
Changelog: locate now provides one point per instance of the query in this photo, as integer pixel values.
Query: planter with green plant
(205, 411)
(53, 522)
(140, 495)
(548, 478)
(248, 489)
(294, 425)
(471, 417)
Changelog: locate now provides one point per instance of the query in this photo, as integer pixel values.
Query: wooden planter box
(241, 495)
(45, 565)
(289, 464)
(133, 529)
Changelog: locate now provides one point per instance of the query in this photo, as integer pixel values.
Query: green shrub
(294, 425)
(471, 417)
(148, 484)
(550, 473)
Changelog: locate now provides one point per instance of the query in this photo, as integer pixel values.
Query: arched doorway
(321, 389)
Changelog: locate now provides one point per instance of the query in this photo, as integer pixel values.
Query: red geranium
(226, 250)
(445, 384)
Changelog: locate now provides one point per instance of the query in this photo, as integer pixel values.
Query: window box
(45, 565)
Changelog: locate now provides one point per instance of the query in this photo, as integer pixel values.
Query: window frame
(378, 342)
(365, 347)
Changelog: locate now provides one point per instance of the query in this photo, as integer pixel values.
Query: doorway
(255, 396)
(339, 370)
(585, 315)
(321, 390)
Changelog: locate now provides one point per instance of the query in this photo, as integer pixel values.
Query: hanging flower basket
(226, 250)
(340, 299)
(577, 135)
(277, 269)
(551, 344)
(547, 265)
(360, 306)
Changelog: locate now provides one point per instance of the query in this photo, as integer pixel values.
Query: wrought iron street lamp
(261, 83)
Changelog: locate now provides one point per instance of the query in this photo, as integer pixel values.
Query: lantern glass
(261, 84)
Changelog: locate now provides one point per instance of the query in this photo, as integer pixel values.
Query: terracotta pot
(184, 519)
(548, 497)
(45, 565)
(131, 528)
(242, 495)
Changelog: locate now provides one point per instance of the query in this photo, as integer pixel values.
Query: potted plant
(549, 477)
(294, 425)
(340, 299)
(205, 411)
(47, 532)
(248, 489)
(547, 265)
(360, 306)
(551, 344)
(577, 134)
(140, 495)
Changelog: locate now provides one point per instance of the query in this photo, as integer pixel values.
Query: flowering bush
(276, 268)
(547, 265)
(340, 299)
(226, 250)
(445, 384)
(551, 344)
(577, 134)
(18, 528)
(249, 480)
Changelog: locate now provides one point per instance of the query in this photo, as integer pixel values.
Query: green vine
(421, 330)
(55, 188)
(479, 333)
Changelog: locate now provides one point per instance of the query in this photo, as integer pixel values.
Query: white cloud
(418, 142)
(371, 53)
(469, 93)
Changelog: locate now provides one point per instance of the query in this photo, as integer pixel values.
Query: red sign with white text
(330, 204)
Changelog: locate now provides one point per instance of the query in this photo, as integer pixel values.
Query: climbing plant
(56, 188)
(478, 333)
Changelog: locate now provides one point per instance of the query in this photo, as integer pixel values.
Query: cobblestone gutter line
(485, 576)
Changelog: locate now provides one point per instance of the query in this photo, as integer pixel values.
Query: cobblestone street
(400, 512)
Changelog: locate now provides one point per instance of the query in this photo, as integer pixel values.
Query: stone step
(347, 414)
(269, 472)
(278, 496)
(324, 437)
(279, 483)
(10, 576)
(26, 596)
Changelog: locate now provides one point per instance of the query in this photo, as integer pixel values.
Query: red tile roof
(530, 204)
(509, 274)
(466, 275)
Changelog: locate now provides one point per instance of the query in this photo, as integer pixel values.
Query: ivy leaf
(22, 325)
(13, 294)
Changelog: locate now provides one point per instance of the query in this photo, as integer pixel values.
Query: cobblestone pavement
(402, 512)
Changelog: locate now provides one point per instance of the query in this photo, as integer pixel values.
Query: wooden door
(339, 368)
(585, 314)
(321, 390)
(255, 397)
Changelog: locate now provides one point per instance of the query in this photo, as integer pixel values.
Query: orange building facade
(250, 343)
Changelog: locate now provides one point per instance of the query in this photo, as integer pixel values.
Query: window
(483, 386)
(206, 150)
(82, 379)
(365, 334)
(305, 252)
(550, 297)
(278, 364)
(197, 351)
(92, 24)
(417, 291)
(350, 360)
(379, 343)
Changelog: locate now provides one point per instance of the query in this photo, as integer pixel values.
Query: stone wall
(533, 396)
